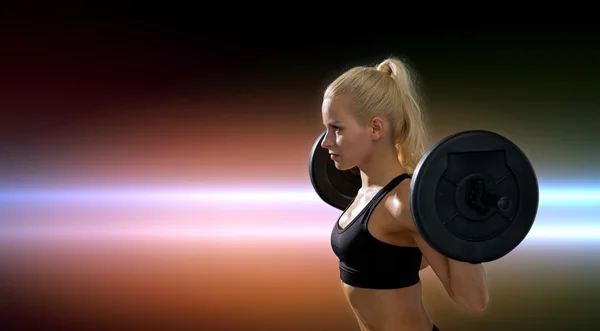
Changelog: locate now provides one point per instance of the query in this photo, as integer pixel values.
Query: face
(349, 143)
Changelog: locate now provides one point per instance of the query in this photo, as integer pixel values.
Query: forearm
(468, 283)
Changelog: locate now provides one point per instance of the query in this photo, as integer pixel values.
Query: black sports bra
(367, 262)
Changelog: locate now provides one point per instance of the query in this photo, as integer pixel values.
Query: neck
(380, 169)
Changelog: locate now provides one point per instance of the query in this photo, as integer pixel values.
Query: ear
(377, 128)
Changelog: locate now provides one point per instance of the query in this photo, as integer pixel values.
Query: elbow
(469, 289)
(473, 303)
(479, 306)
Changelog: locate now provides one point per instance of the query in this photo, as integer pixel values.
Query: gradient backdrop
(153, 174)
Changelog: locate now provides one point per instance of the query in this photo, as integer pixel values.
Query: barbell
(473, 195)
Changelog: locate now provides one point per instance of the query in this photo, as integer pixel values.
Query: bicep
(464, 282)
(403, 215)
(438, 262)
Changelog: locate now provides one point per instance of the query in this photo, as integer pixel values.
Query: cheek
(341, 140)
(360, 149)
(352, 146)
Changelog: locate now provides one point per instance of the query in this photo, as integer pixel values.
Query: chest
(359, 207)
(362, 223)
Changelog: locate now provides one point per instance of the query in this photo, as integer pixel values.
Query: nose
(326, 143)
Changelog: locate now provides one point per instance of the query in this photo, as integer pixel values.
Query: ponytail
(411, 133)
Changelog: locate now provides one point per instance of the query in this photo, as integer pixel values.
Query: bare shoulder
(397, 206)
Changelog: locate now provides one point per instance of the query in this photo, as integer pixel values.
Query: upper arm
(439, 263)
(464, 282)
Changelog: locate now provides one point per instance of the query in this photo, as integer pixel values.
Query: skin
(370, 147)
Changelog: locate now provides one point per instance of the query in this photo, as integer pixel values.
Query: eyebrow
(335, 122)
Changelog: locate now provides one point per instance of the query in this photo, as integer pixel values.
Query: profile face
(347, 140)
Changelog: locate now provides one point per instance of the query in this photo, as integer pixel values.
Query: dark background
(161, 96)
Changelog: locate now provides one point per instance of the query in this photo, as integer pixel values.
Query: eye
(336, 128)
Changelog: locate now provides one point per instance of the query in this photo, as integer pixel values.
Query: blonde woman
(374, 122)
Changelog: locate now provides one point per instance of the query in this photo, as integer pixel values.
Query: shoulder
(397, 206)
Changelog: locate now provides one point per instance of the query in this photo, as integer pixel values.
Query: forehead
(335, 110)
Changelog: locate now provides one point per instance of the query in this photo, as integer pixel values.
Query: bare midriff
(389, 309)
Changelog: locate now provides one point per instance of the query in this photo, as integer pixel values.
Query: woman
(374, 122)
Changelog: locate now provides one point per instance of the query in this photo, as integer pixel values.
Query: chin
(342, 167)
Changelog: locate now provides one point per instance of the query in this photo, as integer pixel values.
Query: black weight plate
(439, 205)
(336, 187)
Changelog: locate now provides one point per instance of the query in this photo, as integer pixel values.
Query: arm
(465, 283)
(424, 263)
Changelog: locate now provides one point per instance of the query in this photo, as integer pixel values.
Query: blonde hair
(387, 89)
